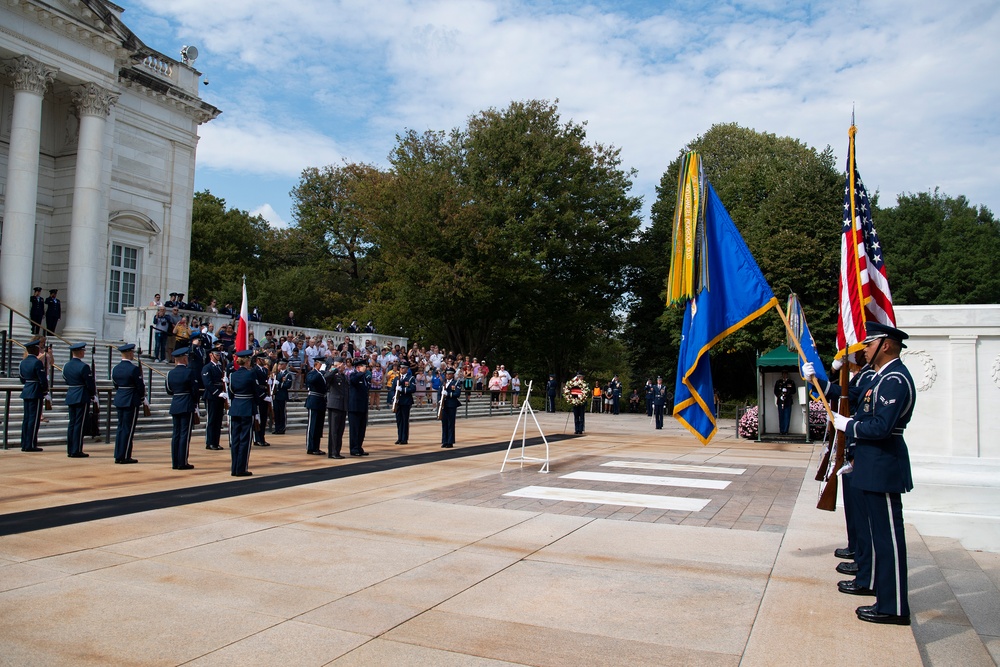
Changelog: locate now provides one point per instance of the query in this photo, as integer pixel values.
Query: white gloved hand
(840, 422)
(267, 399)
(837, 364)
(808, 370)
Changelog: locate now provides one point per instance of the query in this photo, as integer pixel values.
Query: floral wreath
(576, 391)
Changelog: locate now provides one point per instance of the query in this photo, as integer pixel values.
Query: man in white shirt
(436, 357)
(288, 347)
(312, 352)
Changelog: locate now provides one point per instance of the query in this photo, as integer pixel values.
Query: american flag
(863, 286)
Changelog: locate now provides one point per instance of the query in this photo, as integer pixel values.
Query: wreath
(576, 391)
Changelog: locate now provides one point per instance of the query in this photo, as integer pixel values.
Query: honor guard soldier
(649, 398)
(316, 405)
(336, 407)
(36, 385)
(403, 387)
(37, 310)
(53, 311)
(184, 388)
(260, 373)
(551, 390)
(80, 391)
(242, 411)
(881, 471)
(357, 406)
(615, 387)
(659, 401)
(451, 394)
(213, 379)
(282, 384)
(579, 413)
(130, 392)
(784, 396)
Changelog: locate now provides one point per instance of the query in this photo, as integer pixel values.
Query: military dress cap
(181, 352)
(876, 330)
(360, 361)
(126, 347)
(260, 355)
(404, 364)
(319, 360)
(172, 294)
(37, 289)
(283, 361)
(78, 346)
(53, 291)
(449, 370)
(244, 353)
(34, 343)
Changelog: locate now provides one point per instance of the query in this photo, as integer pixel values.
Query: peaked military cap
(34, 343)
(126, 347)
(876, 330)
(182, 352)
(244, 353)
(78, 346)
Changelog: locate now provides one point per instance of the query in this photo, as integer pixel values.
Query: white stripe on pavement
(611, 498)
(688, 482)
(676, 467)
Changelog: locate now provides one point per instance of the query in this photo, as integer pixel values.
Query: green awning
(779, 357)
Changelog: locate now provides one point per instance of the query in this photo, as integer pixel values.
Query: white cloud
(257, 146)
(268, 213)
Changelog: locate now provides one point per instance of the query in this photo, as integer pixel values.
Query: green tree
(940, 250)
(786, 199)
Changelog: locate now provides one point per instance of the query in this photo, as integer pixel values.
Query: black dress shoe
(128, 461)
(213, 447)
(844, 553)
(261, 444)
(277, 433)
(336, 456)
(852, 587)
(447, 446)
(245, 473)
(79, 455)
(847, 568)
(317, 452)
(872, 616)
(867, 607)
(397, 443)
(359, 453)
(186, 466)
(32, 449)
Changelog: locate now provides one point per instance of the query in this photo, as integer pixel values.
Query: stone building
(97, 155)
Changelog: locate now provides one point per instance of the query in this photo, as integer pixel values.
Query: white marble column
(30, 79)
(964, 396)
(86, 282)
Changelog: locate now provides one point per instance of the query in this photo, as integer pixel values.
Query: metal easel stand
(522, 422)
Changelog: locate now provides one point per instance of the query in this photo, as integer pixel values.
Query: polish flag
(242, 340)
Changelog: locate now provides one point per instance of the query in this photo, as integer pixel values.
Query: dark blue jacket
(32, 372)
(316, 400)
(131, 389)
(282, 384)
(212, 377)
(452, 394)
(80, 386)
(182, 384)
(407, 388)
(246, 392)
(357, 399)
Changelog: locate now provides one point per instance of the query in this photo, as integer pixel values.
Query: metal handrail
(48, 332)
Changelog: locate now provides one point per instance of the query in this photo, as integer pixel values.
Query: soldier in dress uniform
(213, 380)
(579, 413)
(403, 388)
(881, 471)
(659, 401)
(130, 393)
(551, 390)
(53, 310)
(262, 376)
(316, 405)
(36, 385)
(37, 310)
(451, 394)
(81, 389)
(245, 390)
(336, 407)
(184, 389)
(615, 387)
(282, 384)
(357, 406)
(784, 396)
(649, 397)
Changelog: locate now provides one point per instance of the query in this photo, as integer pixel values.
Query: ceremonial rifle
(834, 459)
(145, 404)
(92, 420)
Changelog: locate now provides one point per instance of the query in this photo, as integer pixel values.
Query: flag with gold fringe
(716, 278)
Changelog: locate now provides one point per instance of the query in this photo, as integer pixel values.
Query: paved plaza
(639, 547)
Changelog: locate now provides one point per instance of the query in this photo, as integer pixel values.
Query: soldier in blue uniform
(649, 398)
(262, 376)
(316, 405)
(184, 388)
(37, 310)
(36, 385)
(357, 406)
(130, 392)
(784, 396)
(242, 412)
(336, 407)
(282, 384)
(451, 394)
(53, 310)
(403, 386)
(882, 471)
(551, 390)
(80, 391)
(213, 380)
(659, 401)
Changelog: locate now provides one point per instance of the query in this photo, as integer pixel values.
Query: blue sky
(314, 82)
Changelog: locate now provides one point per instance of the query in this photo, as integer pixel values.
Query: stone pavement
(640, 547)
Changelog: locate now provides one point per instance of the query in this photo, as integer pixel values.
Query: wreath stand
(522, 421)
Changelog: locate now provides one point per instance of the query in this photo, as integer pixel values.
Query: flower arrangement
(576, 391)
(747, 428)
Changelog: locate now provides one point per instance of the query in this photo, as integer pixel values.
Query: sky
(311, 83)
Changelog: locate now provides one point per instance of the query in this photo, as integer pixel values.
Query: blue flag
(804, 341)
(734, 295)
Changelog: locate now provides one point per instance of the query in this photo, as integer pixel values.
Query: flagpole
(802, 356)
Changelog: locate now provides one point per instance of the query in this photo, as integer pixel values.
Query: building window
(122, 283)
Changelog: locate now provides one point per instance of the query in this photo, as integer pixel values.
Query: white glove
(840, 422)
(256, 419)
(267, 399)
(837, 364)
(145, 402)
(808, 370)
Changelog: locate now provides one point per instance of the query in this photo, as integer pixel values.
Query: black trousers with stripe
(885, 517)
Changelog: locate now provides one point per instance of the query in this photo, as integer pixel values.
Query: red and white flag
(863, 286)
(242, 339)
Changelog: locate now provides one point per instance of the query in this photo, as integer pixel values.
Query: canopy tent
(779, 357)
